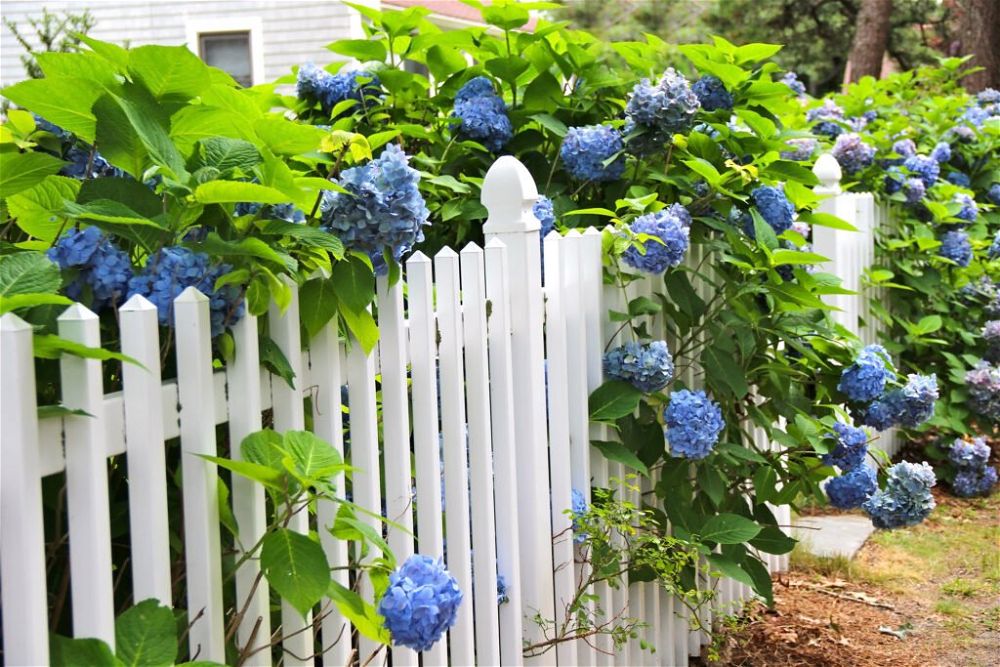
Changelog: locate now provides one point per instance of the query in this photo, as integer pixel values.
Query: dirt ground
(926, 596)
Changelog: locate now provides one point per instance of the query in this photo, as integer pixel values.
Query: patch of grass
(951, 608)
(959, 587)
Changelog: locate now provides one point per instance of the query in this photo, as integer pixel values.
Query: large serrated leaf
(38, 211)
(28, 273)
(22, 171)
(729, 529)
(612, 400)
(146, 635)
(295, 567)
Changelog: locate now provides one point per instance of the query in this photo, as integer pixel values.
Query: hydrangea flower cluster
(503, 591)
(969, 483)
(991, 335)
(578, 509)
(774, 207)
(648, 367)
(712, 94)
(84, 163)
(662, 109)
(317, 86)
(851, 489)
(825, 116)
(802, 149)
(959, 179)
(914, 189)
(666, 250)
(925, 168)
(791, 79)
(866, 378)
(172, 270)
(955, 245)
(964, 454)
(586, 150)
(383, 210)
(994, 251)
(941, 152)
(421, 603)
(852, 153)
(983, 383)
(546, 215)
(286, 212)
(909, 406)
(98, 264)
(906, 499)
(969, 211)
(993, 194)
(483, 114)
(693, 424)
(904, 147)
(851, 448)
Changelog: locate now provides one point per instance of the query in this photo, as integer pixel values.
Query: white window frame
(194, 28)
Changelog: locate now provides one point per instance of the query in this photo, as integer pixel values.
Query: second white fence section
(484, 375)
(851, 255)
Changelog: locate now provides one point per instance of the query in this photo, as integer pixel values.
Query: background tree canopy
(817, 34)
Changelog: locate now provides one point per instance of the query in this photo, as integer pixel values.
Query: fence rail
(484, 374)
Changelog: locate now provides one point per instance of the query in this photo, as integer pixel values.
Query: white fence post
(202, 541)
(87, 481)
(505, 470)
(509, 194)
(22, 548)
(147, 471)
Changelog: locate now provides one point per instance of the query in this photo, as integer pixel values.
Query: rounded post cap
(828, 171)
(508, 194)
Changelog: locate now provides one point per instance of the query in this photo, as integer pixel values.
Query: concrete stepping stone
(834, 535)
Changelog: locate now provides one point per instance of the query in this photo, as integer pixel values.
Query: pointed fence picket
(481, 378)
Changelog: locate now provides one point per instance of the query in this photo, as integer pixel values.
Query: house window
(230, 52)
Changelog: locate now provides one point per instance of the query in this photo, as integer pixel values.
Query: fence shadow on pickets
(483, 373)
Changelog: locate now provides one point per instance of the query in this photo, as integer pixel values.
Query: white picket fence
(851, 254)
(499, 370)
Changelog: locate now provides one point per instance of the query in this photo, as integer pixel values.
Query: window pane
(229, 52)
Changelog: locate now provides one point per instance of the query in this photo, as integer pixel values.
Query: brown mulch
(819, 622)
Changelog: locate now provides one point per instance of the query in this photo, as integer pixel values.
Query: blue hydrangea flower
(828, 110)
(712, 94)
(483, 114)
(421, 603)
(286, 212)
(941, 152)
(384, 209)
(647, 367)
(991, 335)
(969, 210)
(585, 150)
(905, 148)
(693, 424)
(975, 116)
(969, 455)
(964, 133)
(959, 179)
(578, 510)
(883, 412)
(656, 256)
(993, 194)
(866, 378)
(774, 207)
(546, 215)
(894, 179)
(45, 126)
(851, 489)
(925, 168)
(955, 246)
(503, 590)
(828, 128)
(917, 399)
(791, 79)
(994, 251)
(802, 149)
(170, 271)
(663, 109)
(914, 190)
(988, 96)
(983, 383)
(84, 166)
(852, 153)
(980, 482)
(851, 448)
(317, 86)
(906, 499)
(857, 123)
(98, 264)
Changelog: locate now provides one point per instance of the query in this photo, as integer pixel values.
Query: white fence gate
(500, 370)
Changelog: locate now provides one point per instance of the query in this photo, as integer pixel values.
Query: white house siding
(294, 31)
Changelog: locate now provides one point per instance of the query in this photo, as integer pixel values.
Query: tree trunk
(980, 34)
(871, 35)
